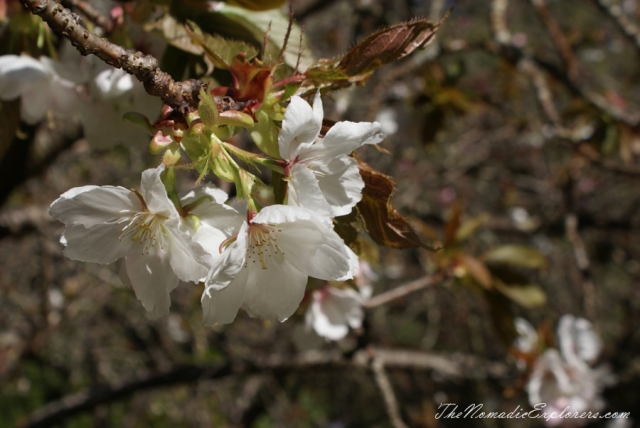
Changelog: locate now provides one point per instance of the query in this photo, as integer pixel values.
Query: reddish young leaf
(383, 223)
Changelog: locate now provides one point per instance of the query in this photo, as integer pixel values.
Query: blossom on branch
(321, 174)
(104, 224)
(265, 270)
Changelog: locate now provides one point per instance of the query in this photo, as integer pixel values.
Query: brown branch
(182, 96)
(558, 38)
(582, 262)
(390, 402)
(403, 290)
(450, 366)
(107, 24)
(628, 28)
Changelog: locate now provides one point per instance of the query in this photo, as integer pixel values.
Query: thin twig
(92, 14)
(403, 290)
(390, 402)
(582, 262)
(628, 28)
(182, 96)
(558, 38)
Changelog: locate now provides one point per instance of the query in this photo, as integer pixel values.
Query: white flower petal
(219, 196)
(354, 268)
(189, 261)
(314, 249)
(577, 340)
(152, 278)
(276, 214)
(96, 244)
(333, 311)
(300, 126)
(341, 185)
(221, 306)
(217, 216)
(343, 138)
(18, 74)
(233, 258)
(89, 205)
(275, 292)
(35, 102)
(304, 191)
(155, 194)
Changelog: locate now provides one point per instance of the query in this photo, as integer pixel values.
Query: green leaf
(265, 134)
(174, 33)
(470, 227)
(529, 295)
(478, 270)
(516, 255)
(207, 110)
(274, 21)
(219, 50)
(139, 119)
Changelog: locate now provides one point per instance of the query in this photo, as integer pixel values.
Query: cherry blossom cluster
(76, 87)
(255, 258)
(565, 378)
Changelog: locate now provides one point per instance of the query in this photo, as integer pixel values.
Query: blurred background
(517, 129)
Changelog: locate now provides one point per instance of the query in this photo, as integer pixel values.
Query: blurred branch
(449, 366)
(582, 262)
(390, 402)
(514, 54)
(92, 14)
(403, 290)
(182, 96)
(558, 38)
(627, 27)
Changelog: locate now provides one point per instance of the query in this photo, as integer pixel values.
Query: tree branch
(449, 366)
(182, 96)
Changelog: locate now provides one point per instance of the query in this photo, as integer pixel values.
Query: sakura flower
(333, 311)
(216, 222)
(565, 380)
(104, 224)
(39, 84)
(109, 95)
(322, 176)
(265, 271)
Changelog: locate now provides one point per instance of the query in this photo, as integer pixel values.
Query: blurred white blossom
(38, 84)
(566, 380)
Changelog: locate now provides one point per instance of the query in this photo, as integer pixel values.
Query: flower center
(145, 228)
(262, 245)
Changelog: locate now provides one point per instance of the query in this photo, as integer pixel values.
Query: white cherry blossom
(322, 176)
(39, 84)
(333, 311)
(216, 222)
(565, 379)
(110, 94)
(104, 224)
(265, 270)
